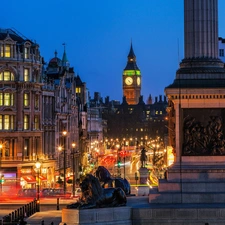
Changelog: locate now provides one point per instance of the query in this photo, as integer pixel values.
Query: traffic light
(118, 164)
(2, 179)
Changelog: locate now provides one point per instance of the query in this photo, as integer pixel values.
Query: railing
(17, 216)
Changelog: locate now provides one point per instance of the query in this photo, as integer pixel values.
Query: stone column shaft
(201, 28)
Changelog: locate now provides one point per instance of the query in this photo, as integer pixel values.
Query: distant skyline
(98, 35)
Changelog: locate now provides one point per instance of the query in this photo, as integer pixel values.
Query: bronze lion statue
(94, 196)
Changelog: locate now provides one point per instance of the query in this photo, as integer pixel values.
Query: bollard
(21, 212)
(13, 216)
(57, 204)
(16, 215)
(52, 223)
(42, 222)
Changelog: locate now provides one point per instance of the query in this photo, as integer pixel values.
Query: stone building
(64, 101)
(21, 133)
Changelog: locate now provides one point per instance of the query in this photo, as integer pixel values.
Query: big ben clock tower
(131, 79)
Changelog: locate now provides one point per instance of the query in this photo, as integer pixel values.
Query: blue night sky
(98, 36)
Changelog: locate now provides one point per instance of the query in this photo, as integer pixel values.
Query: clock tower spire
(131, 79)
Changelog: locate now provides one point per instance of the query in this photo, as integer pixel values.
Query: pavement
(54, 217)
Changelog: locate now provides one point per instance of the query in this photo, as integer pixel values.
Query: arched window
(7, 76)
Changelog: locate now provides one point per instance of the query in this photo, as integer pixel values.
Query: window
(78, 90)
(1, 51)
(7, 51)
(26, 147)
(6, 99)
(26, 53)
(26, 75)
(221, 52)
(36, 102)
(26, 122)
(6, 122)
(6, 76)
(36, 122)
(26, 99)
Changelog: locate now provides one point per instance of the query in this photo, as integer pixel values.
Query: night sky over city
(98, 35)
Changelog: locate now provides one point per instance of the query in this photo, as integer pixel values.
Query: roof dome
(55, 62)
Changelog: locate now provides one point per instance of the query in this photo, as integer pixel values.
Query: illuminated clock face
(129, 80)
(138, 81)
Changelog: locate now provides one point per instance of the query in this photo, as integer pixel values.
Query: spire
(131, 56)
(131, 62)
(65, 61)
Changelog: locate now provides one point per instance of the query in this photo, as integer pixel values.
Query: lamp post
(64, 160)
(124, 159)
(38, 165)
(73, 147)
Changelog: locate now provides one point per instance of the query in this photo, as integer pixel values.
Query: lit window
(78, 90)
(1, 99)
(26, 122)
(160, 112)
(6, 122)
(7, 51)
(36, 122)
(1, 122)
(141, 129)
(26, 99)
(157, 112)
(26, 53)
(6, 76)
(26, 75)
(6, 99)
(1, 50)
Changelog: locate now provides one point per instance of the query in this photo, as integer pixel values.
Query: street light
(38, 165)
(124, 159)
(73, 147)
(64, 160)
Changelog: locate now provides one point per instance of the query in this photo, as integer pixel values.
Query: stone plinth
(179, 215)
(142, 191)
(144, 175)
(201, 184)
(100, 216)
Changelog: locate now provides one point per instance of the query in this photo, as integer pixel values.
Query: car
(27, 192)
(54, 192)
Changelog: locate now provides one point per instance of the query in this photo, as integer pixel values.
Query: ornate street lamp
(64, 160)
(73, 147)
(38, 166)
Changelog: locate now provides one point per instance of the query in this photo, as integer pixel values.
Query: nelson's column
(196, 108)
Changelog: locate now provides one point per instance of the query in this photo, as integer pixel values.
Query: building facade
(21, 133)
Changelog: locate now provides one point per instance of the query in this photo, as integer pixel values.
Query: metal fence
(17, 216)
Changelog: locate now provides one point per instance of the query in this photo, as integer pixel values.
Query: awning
(42, 178)
(29, 179)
